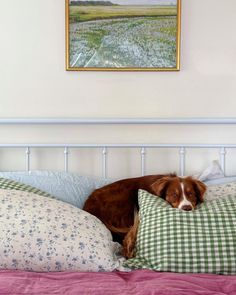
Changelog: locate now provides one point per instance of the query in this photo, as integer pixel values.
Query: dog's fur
(115, 204)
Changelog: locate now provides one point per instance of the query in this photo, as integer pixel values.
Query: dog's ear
(200, 189)
(159, 186)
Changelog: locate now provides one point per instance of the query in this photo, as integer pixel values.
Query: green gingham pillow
(200, 241)
(14, 185)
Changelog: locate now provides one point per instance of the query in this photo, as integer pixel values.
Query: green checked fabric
(14, 185)
(199, 241)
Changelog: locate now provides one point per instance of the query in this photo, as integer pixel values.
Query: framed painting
(123, 35)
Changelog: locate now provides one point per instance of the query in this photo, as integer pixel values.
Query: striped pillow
(200, 241)
(15, 185)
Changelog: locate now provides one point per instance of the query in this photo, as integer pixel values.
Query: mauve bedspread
(143, 282)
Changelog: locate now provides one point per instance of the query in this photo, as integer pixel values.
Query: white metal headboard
(105, 146)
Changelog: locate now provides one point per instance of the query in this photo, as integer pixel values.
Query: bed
(50, 183)
(142, 282)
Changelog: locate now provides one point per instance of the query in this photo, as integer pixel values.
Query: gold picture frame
(91, 23)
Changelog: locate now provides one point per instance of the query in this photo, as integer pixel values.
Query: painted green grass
(93, 38)
(88, 13)
(140, 42)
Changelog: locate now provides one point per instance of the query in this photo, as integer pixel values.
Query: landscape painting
(123, 35)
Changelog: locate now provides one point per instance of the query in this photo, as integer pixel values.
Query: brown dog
(115, 204)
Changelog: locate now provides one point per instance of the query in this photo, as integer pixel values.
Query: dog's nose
(187, 208)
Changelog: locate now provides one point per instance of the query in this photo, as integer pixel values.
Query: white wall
(34, 83)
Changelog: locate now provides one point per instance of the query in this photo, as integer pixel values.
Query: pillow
(11, 184)
(74, 188)
(43, 234)
(199, 241)
(211, 172)
(220, 191)
(221, 180)
(69, 187)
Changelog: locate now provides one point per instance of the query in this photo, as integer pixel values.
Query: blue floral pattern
(220, 191)
(44, 234)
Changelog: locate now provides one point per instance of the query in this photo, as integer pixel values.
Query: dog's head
(182, 193)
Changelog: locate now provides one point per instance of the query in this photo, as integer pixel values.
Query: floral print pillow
(44, 234)
(220, 191)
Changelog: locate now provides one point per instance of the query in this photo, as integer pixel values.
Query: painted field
(87, 13)
(123, 36)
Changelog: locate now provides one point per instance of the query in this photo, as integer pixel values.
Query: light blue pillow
(68, 187)
(221, 180)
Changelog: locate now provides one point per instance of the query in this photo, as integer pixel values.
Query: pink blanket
(139, 282)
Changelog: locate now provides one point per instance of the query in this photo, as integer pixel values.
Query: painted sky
(142, 2)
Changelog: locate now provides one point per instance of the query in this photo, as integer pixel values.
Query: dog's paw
(128, 253)
(128, 250)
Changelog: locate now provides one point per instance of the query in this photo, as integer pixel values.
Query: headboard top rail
(108, 121)
(143, 147)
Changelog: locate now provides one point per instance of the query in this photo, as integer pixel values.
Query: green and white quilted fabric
(15, 185)
(199, 241)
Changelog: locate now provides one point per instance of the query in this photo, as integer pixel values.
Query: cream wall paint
(32, 72)
(34, 83)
